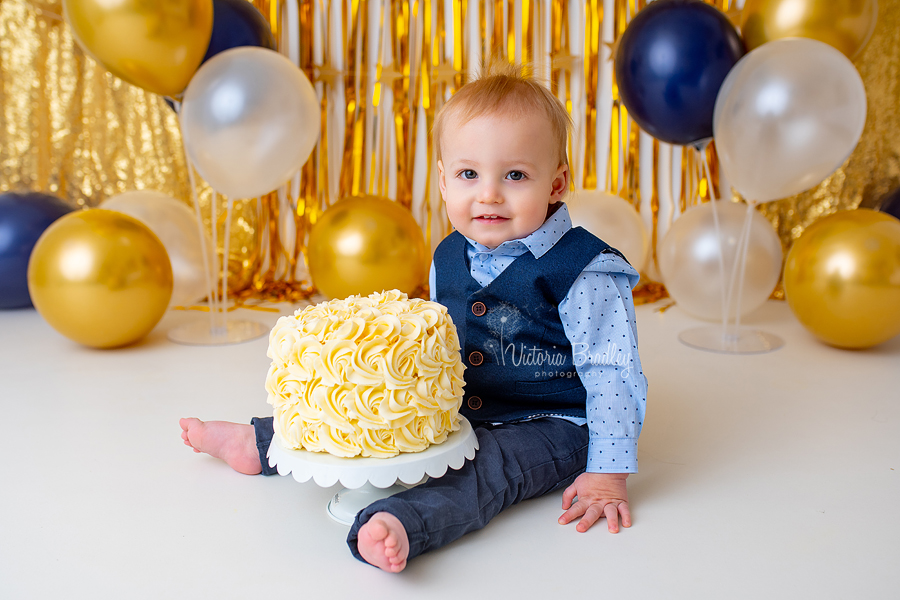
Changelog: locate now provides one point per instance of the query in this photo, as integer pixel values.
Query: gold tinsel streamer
(593, 18)
(72, 129)
(561, 57)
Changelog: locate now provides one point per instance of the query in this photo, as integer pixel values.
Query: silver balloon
(612, 219)
(250, 119)
(787, 116)
(689, 260)
(176, 227)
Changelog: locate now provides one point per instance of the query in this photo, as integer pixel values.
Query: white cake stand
(366, 480)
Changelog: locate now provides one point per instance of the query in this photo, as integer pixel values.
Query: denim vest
(518, 359)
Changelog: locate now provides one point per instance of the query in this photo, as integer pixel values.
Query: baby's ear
(441, 183)
(560, 184)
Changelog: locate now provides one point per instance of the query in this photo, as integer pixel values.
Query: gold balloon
(842, 278)
(153, 44)
(366, 244)
(845, 24)
(100, 278)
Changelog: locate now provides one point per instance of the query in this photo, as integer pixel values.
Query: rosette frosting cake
(369, 377)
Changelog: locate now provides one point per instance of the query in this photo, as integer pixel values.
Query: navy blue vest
(518, 359)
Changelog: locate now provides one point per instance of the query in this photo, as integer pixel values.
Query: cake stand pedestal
(366, 480)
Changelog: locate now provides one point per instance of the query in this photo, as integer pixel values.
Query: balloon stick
(207, 263)
(700, 148)
(748, 222)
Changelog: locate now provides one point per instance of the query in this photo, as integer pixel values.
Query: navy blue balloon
(890, 204)
(23, 218)
(671, 61)
(237, 23)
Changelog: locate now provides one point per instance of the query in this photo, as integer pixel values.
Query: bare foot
(232, 442)
(382, 541)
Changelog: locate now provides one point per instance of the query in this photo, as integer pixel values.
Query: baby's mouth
(491, 219)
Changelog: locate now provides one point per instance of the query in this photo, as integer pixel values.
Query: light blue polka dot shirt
(598, 317)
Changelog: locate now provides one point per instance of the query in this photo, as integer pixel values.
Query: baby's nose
(490, 195)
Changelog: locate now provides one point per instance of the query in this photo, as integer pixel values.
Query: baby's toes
(391, 540)
(396, 568)
(377, 531)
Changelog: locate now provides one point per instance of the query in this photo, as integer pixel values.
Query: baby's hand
(599, 494)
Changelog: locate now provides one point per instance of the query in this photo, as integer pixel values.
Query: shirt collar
(538, 242)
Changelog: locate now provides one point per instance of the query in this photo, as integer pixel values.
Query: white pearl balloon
(612, 219)
(789, 113)
(176, 227)
(250, 119)
(689, 260)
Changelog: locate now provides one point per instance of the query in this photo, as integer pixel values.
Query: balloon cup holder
(200, 333)
(713, 338)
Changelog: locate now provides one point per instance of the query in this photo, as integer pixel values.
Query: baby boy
(554, 385)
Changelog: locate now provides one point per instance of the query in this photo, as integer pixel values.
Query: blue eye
(516, 175)
(468, 174)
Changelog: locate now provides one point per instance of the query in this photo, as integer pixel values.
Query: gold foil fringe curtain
(382, 70)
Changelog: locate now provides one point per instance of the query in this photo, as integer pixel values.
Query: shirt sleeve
(598, 317)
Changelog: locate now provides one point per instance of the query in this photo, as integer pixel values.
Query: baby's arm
(599, 495)
(598, 315)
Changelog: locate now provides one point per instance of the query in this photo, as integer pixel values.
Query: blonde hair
(504, 88)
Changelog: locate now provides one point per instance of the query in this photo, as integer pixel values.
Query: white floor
(764, 476)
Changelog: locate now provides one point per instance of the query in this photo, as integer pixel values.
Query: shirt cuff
(614, 455)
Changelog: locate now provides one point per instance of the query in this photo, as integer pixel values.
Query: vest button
(476, 358)
(474, 402)
(478, 309)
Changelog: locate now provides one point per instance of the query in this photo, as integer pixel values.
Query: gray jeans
(514, 462)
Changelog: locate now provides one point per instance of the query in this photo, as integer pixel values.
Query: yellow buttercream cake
(370, 377)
